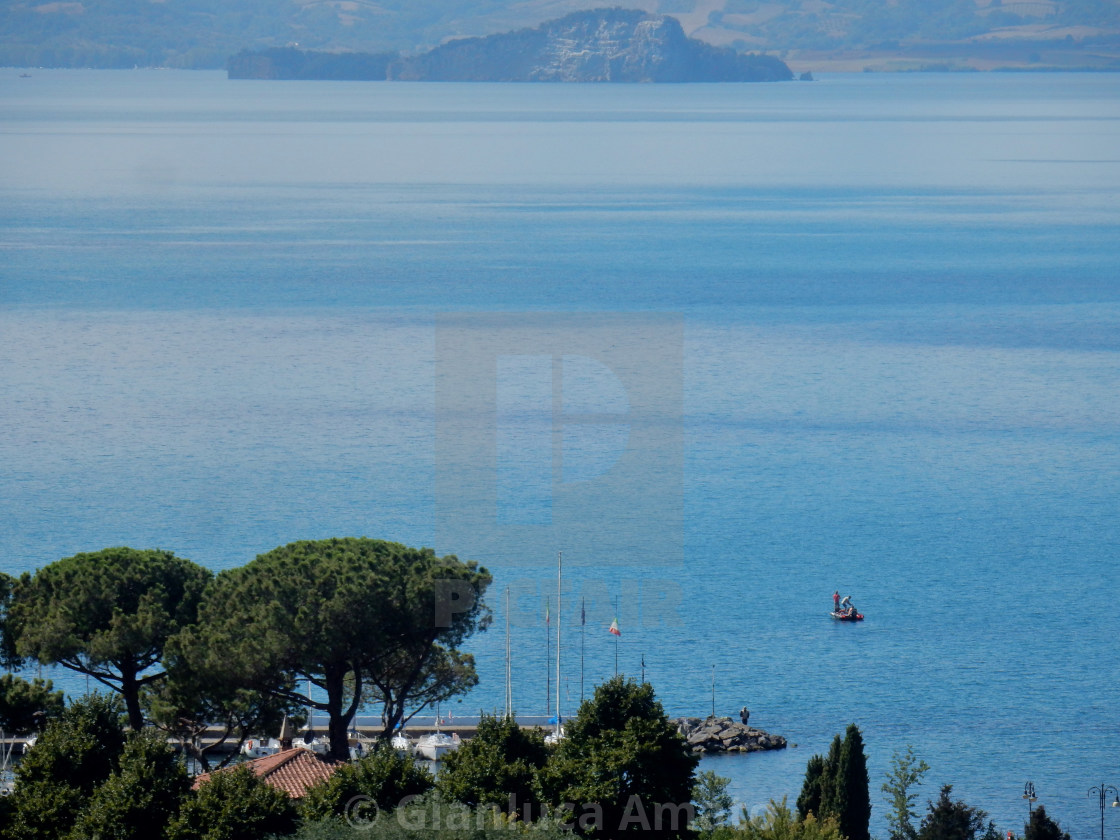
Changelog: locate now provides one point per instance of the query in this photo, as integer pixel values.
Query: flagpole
(509, 674)
(582, 634)
(616, 637)
(559, 618)
(547, 657)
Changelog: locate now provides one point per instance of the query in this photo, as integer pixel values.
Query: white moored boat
(436, 745)
(260, 747)
(402, 743)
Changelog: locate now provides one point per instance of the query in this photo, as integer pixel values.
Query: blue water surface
(219, 310)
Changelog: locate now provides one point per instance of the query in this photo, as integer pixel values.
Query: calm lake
(728, 347)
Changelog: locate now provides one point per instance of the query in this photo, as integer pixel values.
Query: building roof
(292, 771)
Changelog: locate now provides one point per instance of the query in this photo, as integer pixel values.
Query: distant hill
(604, 45)
(807, 34)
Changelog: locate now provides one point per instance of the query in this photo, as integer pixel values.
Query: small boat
(402, 743)
(436, 745)
(847, 615)
(311, 741)
(7, 774)
(360, 744)
(555, 737)
(260, 747)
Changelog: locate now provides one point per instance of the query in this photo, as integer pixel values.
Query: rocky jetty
(724, 735)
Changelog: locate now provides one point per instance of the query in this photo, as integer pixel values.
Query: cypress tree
(809, 802)
(829, 803)
(1043, 827)
(852, 798)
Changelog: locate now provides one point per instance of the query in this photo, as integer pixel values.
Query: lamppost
(1102, 792)
(1028, 794)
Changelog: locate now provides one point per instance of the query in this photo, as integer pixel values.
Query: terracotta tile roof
(292, 771)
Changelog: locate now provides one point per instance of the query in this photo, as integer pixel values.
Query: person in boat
(836, 601)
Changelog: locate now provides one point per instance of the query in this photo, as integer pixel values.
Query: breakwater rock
(722, 734)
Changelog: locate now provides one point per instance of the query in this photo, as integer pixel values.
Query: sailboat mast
(547, 657)
(582, 638)
(559, 615)
(509, 674)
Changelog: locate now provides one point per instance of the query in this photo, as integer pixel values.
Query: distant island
(808, 35)
(602, 45)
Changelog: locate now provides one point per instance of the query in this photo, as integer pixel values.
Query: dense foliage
(622, 766)
(836, 786)
(212, 714)
(498, 766)
(106, 614)
(852, 799)
(74, 756)
(364, 620)
(234, 805)
(906, 772)
(1042, 827)
(27, 706)
(384, 777)
(141, 797)
(432, 817)
(780, 823)
(713, 803)
(948, 819)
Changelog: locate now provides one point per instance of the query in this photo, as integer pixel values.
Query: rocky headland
(603, 45)
(725, 735)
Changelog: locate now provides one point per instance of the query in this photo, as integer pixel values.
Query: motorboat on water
(435, 745)
(847, 615)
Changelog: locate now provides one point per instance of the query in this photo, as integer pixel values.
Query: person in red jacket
(836, 601)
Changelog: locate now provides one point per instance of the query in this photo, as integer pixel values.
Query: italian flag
(613, 629)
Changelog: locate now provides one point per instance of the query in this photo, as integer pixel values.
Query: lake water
(859, 334)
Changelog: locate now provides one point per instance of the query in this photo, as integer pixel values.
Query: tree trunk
(338, 720)
(130, 690)
(394, 713)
